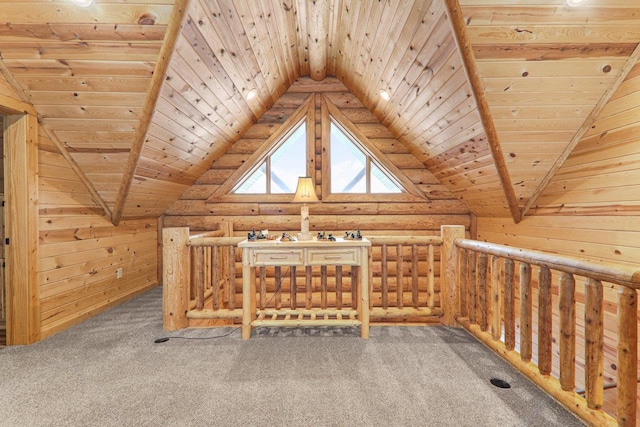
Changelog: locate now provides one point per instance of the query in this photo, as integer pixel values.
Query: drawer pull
(333, 257)
(278, 257)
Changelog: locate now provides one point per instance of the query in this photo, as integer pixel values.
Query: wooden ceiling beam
(577, 137)
(173, 31)
(456, 19)
(318, 21)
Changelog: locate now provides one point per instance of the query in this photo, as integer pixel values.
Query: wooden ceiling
(491, 95)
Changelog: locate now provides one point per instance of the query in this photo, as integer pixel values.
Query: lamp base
(305, 236)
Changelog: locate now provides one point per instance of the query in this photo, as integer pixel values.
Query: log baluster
(526, 313)
(463, 280)
(323, 287)
(198, 276)
(232, 278)
(293, 288)
(430, 277)
(278, 287)
(208, 284)
(594, 340)
(509, 309)
(263, 287)
(354, 286)
(544, 321)
(567, 308)
(192, 271)
(307, 285)
(384, 277)
(414, 276)
(472, 303)
(626, 406)
(496, 321)
(399, 277)
(215, 276)
(339, 287)
(482, 292)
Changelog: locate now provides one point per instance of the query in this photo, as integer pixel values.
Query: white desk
(263, 253)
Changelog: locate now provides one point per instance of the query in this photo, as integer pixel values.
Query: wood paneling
(370, 215)
(80, 250)
(534, 56)
(543, 67)
(602, 175)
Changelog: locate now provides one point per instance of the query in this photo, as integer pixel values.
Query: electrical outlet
(119, 273)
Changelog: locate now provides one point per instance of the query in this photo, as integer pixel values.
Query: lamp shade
(306, 192)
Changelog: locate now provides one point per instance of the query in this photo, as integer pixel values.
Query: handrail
(405, 240)
(214, 241)
(214, 233)
(613, 273)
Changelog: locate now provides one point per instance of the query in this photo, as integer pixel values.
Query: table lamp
(305, 193)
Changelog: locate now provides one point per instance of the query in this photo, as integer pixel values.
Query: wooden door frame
(20, 131)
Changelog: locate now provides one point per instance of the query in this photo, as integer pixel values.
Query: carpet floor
(108, 371)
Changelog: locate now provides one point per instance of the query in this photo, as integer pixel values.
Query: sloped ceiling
(143, 96)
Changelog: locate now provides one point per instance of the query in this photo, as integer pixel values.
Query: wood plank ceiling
(142, 96)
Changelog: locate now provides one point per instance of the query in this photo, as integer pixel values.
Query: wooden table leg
(246, 296)
(363, 289)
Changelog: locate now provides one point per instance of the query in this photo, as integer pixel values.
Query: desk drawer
(337, 256)
(277, 257)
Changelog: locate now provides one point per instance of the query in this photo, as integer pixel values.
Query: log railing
(202, 276)
(488, 308)
(404, 278)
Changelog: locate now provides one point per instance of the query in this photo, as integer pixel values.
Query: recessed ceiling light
(384, 94)
(574, 3)
(252, 94)
(83, 3)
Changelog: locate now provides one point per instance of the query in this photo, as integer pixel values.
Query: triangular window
(351, 164)
(279, 171)
(353, 169)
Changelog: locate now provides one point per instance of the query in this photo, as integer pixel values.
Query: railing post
(627, 356)
(594, 340)
(567, 310)
(448, 265)
(526, 313)
(176, 271)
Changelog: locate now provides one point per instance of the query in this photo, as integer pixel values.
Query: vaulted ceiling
(491, 95)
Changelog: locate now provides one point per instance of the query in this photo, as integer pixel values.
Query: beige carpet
(109, 371)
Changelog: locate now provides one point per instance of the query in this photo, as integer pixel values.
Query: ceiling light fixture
(574, 3)
(252, 94)
(384, 94)
(83, 3)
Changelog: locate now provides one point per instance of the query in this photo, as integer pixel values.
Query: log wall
(591, 209)
(80, 250)
(371, 216)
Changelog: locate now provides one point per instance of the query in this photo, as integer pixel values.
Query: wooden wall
(591, 209)
(2, 288)
(372, 217)
(80, 250)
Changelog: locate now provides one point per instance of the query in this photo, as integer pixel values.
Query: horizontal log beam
(215, 314)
